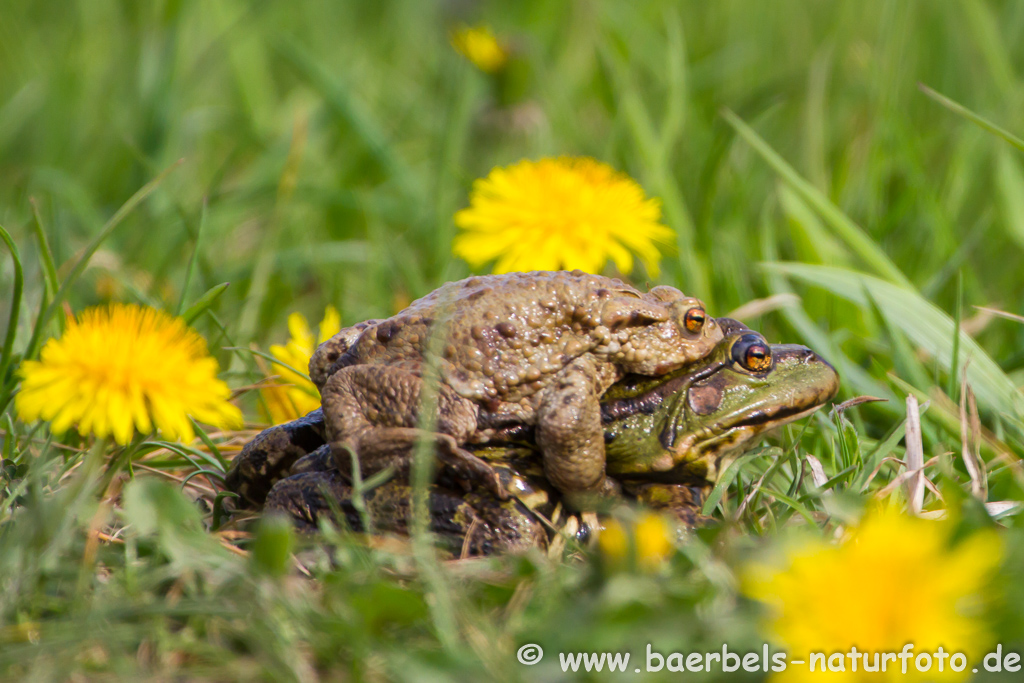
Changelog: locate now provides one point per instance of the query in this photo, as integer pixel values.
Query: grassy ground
(323, 149)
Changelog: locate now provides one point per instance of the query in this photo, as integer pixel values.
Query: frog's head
(687, 426)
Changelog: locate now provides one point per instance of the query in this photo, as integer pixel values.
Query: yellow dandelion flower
(648, 541)
(300, 395)
(126, 367)
(613, 541)
(479, 45)
(560, 213)
(895, 580)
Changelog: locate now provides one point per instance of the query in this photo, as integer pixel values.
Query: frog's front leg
(569, 431)
(270, 456)
(374, 410)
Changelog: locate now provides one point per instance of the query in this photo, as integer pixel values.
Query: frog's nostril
(803, 353)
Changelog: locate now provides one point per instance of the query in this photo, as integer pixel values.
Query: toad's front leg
(570, 434)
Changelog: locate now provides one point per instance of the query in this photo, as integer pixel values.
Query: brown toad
(538, 348)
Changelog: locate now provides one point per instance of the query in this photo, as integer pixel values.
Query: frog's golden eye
(694, 320)
(751, 352)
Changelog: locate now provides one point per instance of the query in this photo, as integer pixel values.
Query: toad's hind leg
(569, 430)
(375, 411)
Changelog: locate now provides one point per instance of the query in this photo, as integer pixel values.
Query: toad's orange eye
(752, 353)
(694, 320)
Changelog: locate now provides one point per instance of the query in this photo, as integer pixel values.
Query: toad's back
(505, 334)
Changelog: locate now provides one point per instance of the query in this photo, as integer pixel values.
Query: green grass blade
(186, 452)
(925, 324)
(204, 437)
(796, 506)
(725, 480)
(982, 24)
(10, 439)
(954, 367)
(273, 359)
(846, 229)
(201, 472)
(12, 319)
(676, 101)
(979, 121)
(204, 302)
(190, 272)
(825, 246)
(904, 360)
(45, 254)
(881, 450)
(1010, 188)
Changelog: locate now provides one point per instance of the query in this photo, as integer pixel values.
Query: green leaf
(922, 322)
(954, 364)
(186, 452)
(214, 451)
(849, 443)
(796, 505)
(273, 545)
(158, 509)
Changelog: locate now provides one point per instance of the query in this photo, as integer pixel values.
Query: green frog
(666, 440)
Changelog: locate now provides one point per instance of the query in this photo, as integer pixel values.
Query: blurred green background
(324, 148)
(333, 141)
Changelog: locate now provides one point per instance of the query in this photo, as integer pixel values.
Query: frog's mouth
(740, 432)
(776, 418)
(702, 455)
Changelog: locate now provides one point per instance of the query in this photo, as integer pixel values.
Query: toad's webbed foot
(320, 460)
(270, 456)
